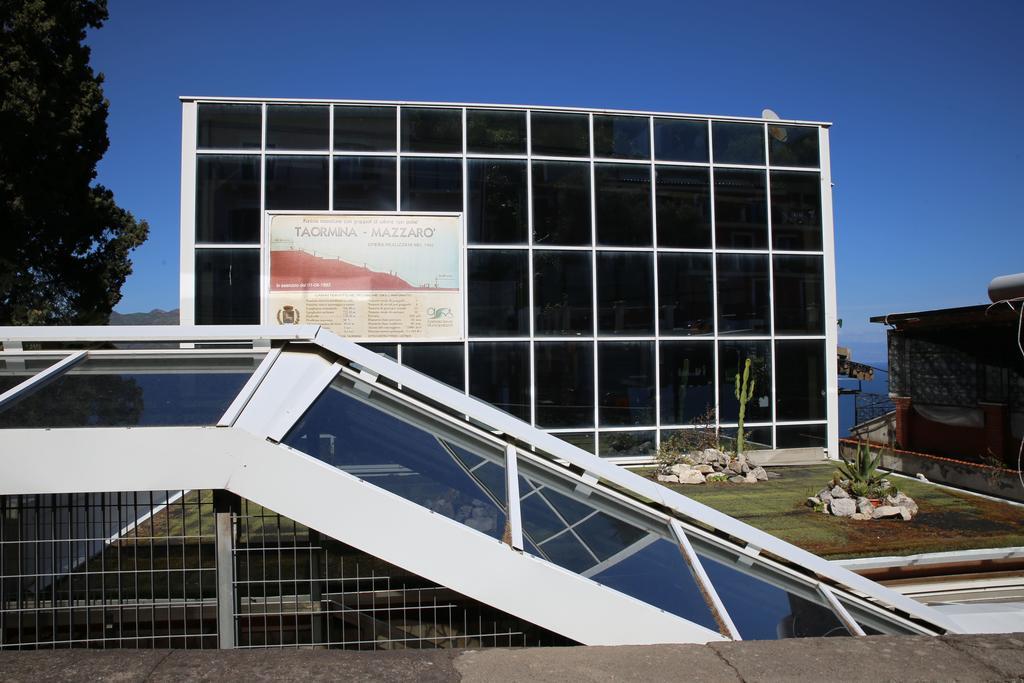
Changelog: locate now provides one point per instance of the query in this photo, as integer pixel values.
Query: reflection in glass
(296, 182)
(680, 140)
(297, 126)
(133, 392)
(498, 284)
(622, 137)
(582, 440)
(560, 135)
(390, 350)
(801, 436)
(497, 206)
(799, 294)
(743, 294)
(687, 371)
(683, 206)
(228, 198)
(564, 381)
(229, 126)
(622, 200)
(800, 380)
(874, 624)
(741, 209)
(562, 293)
(499, 373)
(755, 438)
(793, 145)
(443, 362)
(732, 357)
(494, 131)
(227, 286)
(431, 130)
(738, 143)
(796, 211)
(625, 293)
(431, 184)
(364, 183)
(13, 374)
(625, 372)
(561, 203)
(685, 294)
(627, 444)
(365, 129)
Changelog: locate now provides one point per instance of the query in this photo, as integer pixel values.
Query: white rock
(864, 506)
(922, 477)
(825, 496)
(691, 477)
(813, 502)
(837, 492)
(905, 514)
(668, 478)
(902, 500)
(759, 473)
(843, 507)
(750, 478)
(860, 516)
(704, 469)
(680, 469)
(737, 479)
(885, 512)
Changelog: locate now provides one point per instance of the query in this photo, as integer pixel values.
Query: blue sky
(926, 98)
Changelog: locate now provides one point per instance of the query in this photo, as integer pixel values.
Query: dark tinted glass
(364, 183)
(369, 129)
(741, 209)
(796, 211)
(583, 440)
(18, 371)
(498, 292)
(230, 126)
(564, 380)
(228, 199)
(497, 206)
(738, 143)
(295, 182)
(390, 350)
(496, 131)
(732, 358)
(431, 184)
(560, 135)
(685, 295)
(625, 293)
(431, 130)
(622, 137)
(756, 439)
(687, 371)
(625, 389)
(793, 146)
(743, 294)
(562, 293)
(623, 204)
(227, 286)
(680, 140)
(499, 373)
(561, 203)
(291, 126)
(443, 362)
(627, 444)
(683, 203)
(801, 436)
(800, 380)
(799, 294)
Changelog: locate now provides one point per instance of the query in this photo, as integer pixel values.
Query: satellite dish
(777, 132)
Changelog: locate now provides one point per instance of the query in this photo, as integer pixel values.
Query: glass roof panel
(134, 391)
(876, 624)
(15, 371)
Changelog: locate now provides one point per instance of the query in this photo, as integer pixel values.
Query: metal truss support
(225, 505)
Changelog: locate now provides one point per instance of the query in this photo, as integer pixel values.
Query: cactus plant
(744, 392)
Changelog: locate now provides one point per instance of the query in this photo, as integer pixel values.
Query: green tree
(64, 242)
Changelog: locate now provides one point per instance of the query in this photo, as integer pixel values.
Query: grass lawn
(947, 520)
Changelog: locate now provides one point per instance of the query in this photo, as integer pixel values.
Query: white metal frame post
(831, 312)
(187, 269)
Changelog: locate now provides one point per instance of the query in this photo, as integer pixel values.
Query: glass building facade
(620, 267)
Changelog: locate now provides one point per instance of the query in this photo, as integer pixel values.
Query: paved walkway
(883, 658)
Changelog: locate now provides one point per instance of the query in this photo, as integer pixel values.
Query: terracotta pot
(875, 502)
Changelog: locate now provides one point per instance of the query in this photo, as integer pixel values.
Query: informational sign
(368, 277)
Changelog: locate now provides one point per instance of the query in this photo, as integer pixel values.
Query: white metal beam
(42, 377)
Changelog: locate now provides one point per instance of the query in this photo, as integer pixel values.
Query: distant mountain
(155, 317)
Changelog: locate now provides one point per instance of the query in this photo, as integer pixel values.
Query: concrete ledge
(880, 658)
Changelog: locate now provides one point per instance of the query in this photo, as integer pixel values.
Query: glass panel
(291, 126)
(687, 371)
(369, 129)
(622, 137)
(623, 204)
(296, 183)
(756, 439)
(564, 382)
(499, 373)
(764, 603)
(228, 198)
(796, 211)
(431, 184)
(625, 372)
(685, 294)
(793, 146)
(800, 380)
(743, 294)
(625, 293)
(390, 350)
(230, 126)
(874, 624)
(799, 294)
(364, 183)
(562, 293)
(561, 203)
(496, 131)
(392, 447)
(680, 140)
(227, 286)
(498, 284)
(14, 372)
(741, 209)
(560, 135)
(738, 143)
(431, 130)
(801, 436)
(497, 206)
(683, 204)
(583, 440)
(732, 358)
(134, 392)
(627, 444)
(443, 362)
